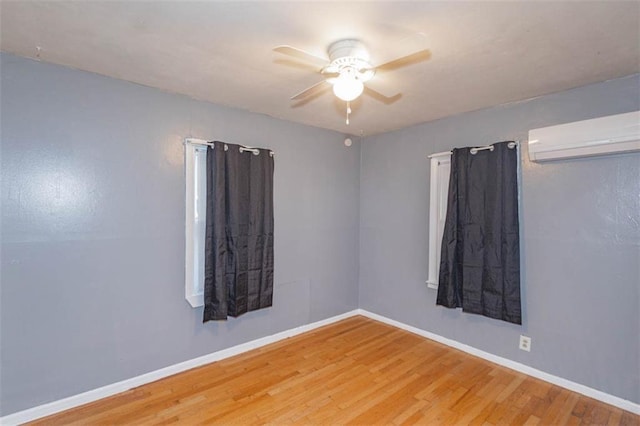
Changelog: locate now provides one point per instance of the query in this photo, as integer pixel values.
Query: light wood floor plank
(357, 371)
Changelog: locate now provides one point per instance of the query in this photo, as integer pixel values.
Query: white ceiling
(483, 53)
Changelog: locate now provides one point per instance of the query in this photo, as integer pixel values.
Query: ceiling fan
(349, 71)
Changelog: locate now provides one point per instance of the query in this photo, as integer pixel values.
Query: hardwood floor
(357, 371)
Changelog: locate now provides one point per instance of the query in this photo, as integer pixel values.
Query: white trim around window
(438, 192)
(195, 220)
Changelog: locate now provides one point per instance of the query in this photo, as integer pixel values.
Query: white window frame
(195, 209)
(438, 194)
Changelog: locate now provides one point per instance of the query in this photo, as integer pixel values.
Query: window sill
(195, 300)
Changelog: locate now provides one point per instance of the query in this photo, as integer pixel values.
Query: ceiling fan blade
(309, 91)
(413, 58)
(380, 97)
(328, 75)
(301, 54)
(408, 46)
(381, 85)
(297, 64)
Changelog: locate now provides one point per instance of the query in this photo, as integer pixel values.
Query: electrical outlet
(525, 343)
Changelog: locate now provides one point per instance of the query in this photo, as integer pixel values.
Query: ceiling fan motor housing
(349, 56)
(348, 47)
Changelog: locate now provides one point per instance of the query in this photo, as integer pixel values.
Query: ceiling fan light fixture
(347, 88)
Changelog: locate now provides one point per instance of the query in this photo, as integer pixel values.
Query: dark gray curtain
(480, 258)
(238, 275)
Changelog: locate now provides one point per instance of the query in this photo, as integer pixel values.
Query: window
(259, 165)
(440, 169)
(196, 201)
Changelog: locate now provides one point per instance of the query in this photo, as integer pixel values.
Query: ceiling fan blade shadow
(410, 59)
(301, 54)
(387, 100)
(310, 98)
(310, 93)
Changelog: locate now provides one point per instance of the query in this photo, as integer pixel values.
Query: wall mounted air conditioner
(599, 136)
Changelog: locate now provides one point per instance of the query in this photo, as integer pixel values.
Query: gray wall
(92, 268)
(580, 240)
(92, 262)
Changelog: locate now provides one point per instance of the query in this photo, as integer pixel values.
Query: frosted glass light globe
(347, 88)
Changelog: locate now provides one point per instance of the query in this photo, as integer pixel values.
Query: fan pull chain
(348, 111)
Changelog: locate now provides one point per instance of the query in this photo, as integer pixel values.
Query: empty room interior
(266, 212)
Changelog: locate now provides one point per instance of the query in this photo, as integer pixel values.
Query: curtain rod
(474, 150)
(194, 141)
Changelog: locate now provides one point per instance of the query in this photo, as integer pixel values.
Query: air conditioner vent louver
(599, 136)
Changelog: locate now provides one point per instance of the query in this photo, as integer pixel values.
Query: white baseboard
(112, 389)
(559, 381)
